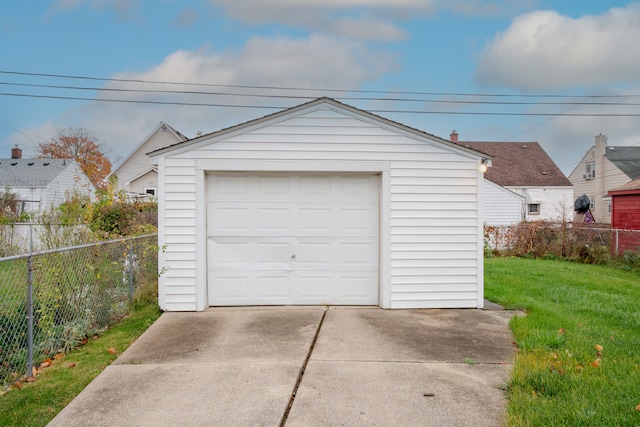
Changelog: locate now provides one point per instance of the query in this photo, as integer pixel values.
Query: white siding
(431, 248)
(138, 162)
(501, 206)
(70, 180)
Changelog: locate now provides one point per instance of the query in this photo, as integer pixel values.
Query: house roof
(315, 102)
(627, 159)
(162, 125)
(520, 164)
(631, 186)
(31, 172)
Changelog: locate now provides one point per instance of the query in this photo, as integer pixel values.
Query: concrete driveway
(306, 366)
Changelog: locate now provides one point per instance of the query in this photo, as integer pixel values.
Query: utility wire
(397, 111)
(63, 76)
(255, 95)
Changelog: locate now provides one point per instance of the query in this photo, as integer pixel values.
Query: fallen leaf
(17, 385)
(112, 350)
(31, 379)
(595, 363)
(638, 407)
(598, 347)
(58, 356)
(562, 330)
(44, 364)
(72, 365)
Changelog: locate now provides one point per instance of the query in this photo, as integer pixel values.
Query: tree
(82, 146)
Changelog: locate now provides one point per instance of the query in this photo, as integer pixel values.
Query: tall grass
(578, 357)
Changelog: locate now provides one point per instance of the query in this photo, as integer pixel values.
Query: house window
(534, 209)
(608, 205)
(592, 206)
(150, 190)
(590, 170)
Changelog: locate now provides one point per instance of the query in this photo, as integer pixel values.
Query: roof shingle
(519, 164)
(30, 172)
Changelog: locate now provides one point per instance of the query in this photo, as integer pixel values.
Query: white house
(322, 203)
(136, 176)
(501, 206)
(527, 170)
(43, 183)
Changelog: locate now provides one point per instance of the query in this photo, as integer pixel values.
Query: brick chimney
(454, 136)
(16, 153)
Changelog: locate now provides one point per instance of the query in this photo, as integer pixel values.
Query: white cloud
(358, 19)
(544, 50)
(314, 62)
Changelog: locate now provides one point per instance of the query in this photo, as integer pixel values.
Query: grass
(35, 404)
(578, 358)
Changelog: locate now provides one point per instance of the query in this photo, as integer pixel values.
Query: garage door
(292, 239)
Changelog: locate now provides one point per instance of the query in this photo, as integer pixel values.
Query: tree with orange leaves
(82, 146)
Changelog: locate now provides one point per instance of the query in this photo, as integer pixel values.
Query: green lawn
(37, 403)
(578, 357)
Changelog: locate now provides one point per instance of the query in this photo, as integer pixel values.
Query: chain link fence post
(30, 305)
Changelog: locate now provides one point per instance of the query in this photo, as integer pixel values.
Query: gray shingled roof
(627, 159)
(30, 172)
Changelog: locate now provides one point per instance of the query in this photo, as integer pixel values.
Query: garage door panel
(230, 253)
(357, 287)
(359, 220)
(361, 254)
(272, 219)
(293, 239)
(315, 219)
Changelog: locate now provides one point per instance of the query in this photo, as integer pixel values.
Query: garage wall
(431, 247)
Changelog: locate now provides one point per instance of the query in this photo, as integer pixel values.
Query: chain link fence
(22, 238)
(588, 243)
(52, 301)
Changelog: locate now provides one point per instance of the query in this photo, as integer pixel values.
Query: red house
(625, 215)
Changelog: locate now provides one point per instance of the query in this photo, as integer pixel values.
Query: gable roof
(31, 172)
(520, 164)
(162, 125)
(625, 158)
(315, 103)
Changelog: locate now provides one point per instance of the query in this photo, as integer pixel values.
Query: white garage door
(292, 239)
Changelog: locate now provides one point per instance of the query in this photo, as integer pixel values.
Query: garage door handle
(293, 256)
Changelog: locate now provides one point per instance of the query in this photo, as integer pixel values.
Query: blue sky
(431, 57)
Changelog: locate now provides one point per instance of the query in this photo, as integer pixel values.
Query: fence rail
(50, 301)
(561, 239)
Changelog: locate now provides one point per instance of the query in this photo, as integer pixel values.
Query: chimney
(16, 153)
(454, 136)
(601, 143)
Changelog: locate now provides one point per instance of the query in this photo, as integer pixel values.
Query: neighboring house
(136, 176)
(527, 170)
(602, 169)
(501, 206)
(43, 183)
(322, 203)
(625, 202)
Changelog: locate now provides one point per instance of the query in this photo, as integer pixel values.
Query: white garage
(320, 204)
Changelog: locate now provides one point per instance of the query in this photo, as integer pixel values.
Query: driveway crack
(283, 421)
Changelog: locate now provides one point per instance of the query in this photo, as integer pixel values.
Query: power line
(396, 111)
(442, 101)
(63, 76)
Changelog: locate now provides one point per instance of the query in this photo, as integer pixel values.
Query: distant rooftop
(30, 172)
(519, 164)
(627, 159)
